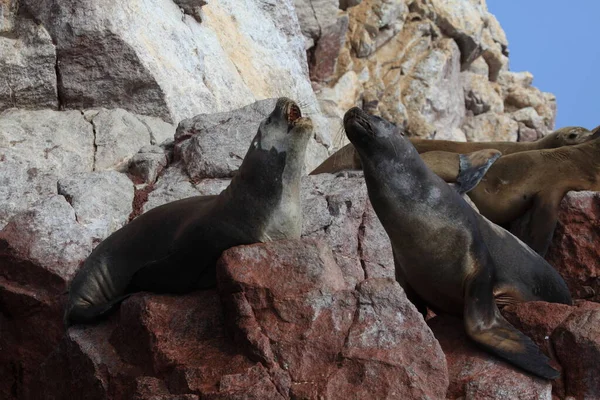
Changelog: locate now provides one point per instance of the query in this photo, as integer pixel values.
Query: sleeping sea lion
(346, 158)
(174, 248)
(446, 255)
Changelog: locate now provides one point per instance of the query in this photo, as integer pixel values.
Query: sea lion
(174, 248)
(446, 255)
(346, 158)
(526, 188)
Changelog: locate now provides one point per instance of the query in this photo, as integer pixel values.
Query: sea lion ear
(473, 167)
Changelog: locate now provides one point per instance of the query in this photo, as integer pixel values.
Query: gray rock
(527, 134)
(530, 118)
(160, 131)
(508, 78)
(8, 9)
(214, 145)
(27, 64)
(169, 65)
(491, 127)
(148, 163)
(49, 238)
(479, 67)
(102, 200)
(337, 210)
(173, 185)
(461, 20)
(37, 147)
(480, 94)
(218, 142)
(119, 135)
(433, 95)
(316, 15)
(208, 187)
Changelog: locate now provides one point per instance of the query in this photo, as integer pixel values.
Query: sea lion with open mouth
(174, 248)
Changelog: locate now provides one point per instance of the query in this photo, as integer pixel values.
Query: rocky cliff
(112, 108)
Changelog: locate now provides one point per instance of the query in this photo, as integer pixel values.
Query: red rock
(156, 347)
(574, 251)
(476, 374)
(577, 345)
(327, 50)
(291, 307)
(40, 250)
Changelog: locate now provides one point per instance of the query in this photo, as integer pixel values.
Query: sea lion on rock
(447, 256)
(174, 248)
(347, 158)
(527, 188)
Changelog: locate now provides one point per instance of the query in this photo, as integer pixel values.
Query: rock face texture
(438, 67)
(574, 250)
(108, 109)
(304, 336)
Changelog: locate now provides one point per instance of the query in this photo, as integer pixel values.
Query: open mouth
(293, 113)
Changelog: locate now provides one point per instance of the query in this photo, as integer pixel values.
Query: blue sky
(559, 43)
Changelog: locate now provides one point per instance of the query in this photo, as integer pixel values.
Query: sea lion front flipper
(536, 226)
(488, 328)
(472, 168)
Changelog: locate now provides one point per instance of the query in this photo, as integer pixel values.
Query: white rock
(169, 65)
(102, 200)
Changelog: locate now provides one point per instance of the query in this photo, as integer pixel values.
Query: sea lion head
(373, 136)
(280, 142)
(284, 130)
(571, 135)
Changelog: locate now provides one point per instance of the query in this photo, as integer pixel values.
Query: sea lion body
(526, 189)
(174, 248)
(347, 158)
(447, 256)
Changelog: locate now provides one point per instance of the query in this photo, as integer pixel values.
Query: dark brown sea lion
(447, 256)
(174, 248)
(346, 158)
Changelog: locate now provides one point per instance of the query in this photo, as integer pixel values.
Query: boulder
(36, 147)
(148, 163)
(283, 325)
(144, 34)
(293, 310)
(102, 200)
(119, 134)
(214, 145)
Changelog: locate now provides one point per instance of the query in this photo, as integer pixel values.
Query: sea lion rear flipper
(472, 168)
(488, 328)
(536, 226)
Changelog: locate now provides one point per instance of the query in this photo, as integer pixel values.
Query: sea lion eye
(572, 136)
